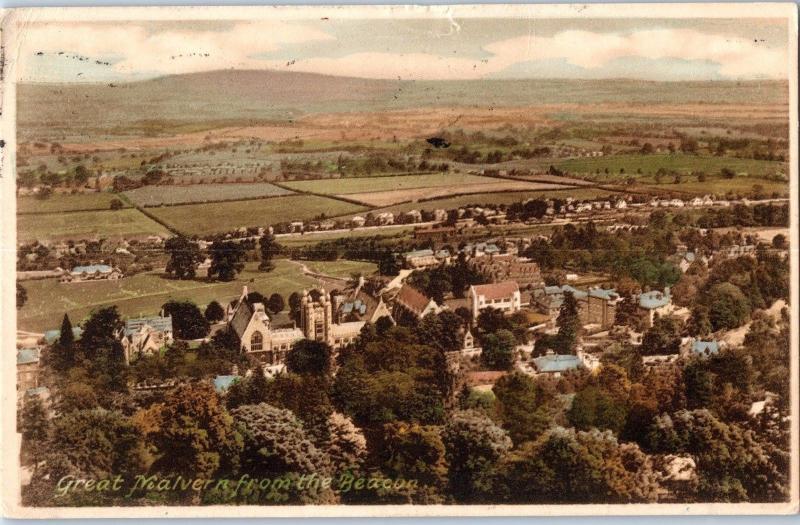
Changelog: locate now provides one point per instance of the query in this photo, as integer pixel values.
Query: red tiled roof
(412, 298)
(496, 290)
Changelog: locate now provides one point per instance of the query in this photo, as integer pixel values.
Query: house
(597, 306)
(504, 296)
(27, 368)
(384, 219)
(359, 306)
(94, 272)
(508, 267)
(410, 302)
(145, 335)
(425, 258)
(358, 221)
(652, 303)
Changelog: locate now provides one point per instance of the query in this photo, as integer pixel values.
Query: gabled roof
(556, 363)
(241, 318)
(419, 253)
(158, 323)
(496, 290)
(412, 299)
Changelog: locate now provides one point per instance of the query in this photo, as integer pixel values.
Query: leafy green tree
(733, 464)
(214, 312)
(94, 443)
(310, 357)
(568, 466)
(727, 307)
(664, 337)
(187, 320)
(343, 442)
(443, 330)
(522, 406)
(274, 445)
(568, 322)
(414, 451)
(275, 303)
(100, 330)
(490, 320)
(22, 296)
(498, 350)
(193, 434)
(473, 444)
(33, 425)
(227, 260)
(268, 248)
(387, 265)
(594, 407)
(184, 256)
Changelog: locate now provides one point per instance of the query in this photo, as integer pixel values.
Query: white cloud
(153, 51)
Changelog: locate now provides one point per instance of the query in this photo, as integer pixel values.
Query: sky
(435, 48)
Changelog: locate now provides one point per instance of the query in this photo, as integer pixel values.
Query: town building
(27, 369)
(411, 303)
(508, 267)
(504, 296)
(317, 322)
(596, 306)
(94, 272)
(421, 259)
(654, 303)
(145, 335)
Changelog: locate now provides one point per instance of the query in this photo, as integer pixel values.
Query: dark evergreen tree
(184, 256)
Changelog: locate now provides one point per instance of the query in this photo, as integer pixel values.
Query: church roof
(241, 318)
(160, 324)
(412, 299)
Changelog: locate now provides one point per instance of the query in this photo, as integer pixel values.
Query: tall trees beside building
(214, 312)
(184, 256)
(227, 260)
(187, 320)
(268, 248)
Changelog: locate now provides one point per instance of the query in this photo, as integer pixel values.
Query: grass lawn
(347, 185)
(205, 219)
(85, 224)
(143, 294)
(343, 268)
(397, 231)
(59, 202)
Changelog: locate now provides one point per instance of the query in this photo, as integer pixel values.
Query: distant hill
(235, 97)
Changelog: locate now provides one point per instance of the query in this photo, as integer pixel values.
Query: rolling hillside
(200, 101)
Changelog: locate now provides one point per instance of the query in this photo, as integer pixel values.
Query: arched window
(256, 342)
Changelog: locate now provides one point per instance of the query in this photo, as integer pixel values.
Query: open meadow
(59, 202)
(129, 223)
(217, 217)
(147, 196)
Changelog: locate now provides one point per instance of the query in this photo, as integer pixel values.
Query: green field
(143, 294)
(402, 182)
(495, 198)
(59, 202)
(649, 164)
(720, 186)
(86, 224)
(343, 268)
(201, 193)
(217, 217)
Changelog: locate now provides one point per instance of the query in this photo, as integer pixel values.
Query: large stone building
(145, 335)
(596, 306)
(654, 303)
(508, 267)
(504, 296)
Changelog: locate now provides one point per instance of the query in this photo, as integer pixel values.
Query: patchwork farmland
(148, 196)
(86, 224)
(218, 217)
